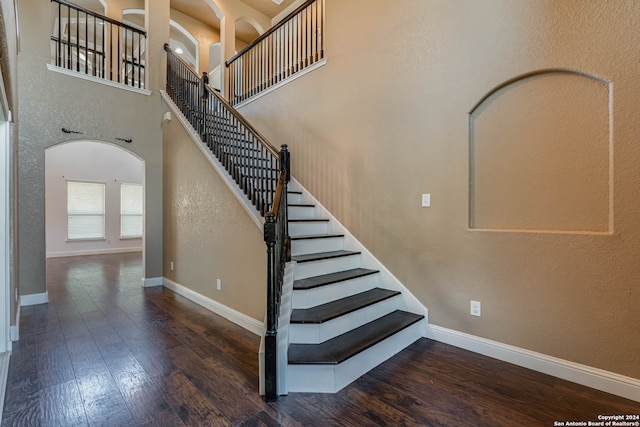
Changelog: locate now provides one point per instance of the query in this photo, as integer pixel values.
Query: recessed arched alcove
(540, 149)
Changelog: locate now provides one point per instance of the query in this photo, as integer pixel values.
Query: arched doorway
(94, 199)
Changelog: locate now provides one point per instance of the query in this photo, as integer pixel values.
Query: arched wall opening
(119, 173)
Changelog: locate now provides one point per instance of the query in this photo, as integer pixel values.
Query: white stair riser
(301, 212)
(307, 228)
(333, 378)
(317, 333)
(294, 198)
(311, 297)
(310, 246)
(326, 266)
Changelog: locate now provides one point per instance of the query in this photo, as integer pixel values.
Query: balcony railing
(95, 45)
(296, 43)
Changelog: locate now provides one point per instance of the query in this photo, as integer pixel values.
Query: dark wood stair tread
(342, 347)
(331, 310)
(322, 255)
(327, 279)
(316, 236)
(301, 205)
(308, 220)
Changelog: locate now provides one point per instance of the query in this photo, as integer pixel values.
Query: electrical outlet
(426, 200)
(219, 284)
(476, 308)
(171, 265)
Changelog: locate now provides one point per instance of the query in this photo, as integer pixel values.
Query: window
(131, 210)
(85, 210)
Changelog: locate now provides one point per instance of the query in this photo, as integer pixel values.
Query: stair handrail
(106, 65)
(202, 106)
(270, 31)
(292, 45)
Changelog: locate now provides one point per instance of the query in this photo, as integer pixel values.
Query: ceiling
(199, 10)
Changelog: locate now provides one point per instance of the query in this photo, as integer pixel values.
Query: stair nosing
(320, 256)
(357, 336)
(316, 236)
(333, 278)
(383, 295)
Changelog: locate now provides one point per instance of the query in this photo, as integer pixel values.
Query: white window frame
(103, 214)
(140, 213)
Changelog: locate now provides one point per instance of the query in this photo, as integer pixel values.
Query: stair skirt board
(315, 333)
(333, 378)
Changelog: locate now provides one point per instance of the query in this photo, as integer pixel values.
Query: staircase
(345, 313)
(344, 321)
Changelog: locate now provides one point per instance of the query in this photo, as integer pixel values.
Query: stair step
(323, 255)
(300, 205)
(345, 346)
(327, 279)
(308, 220)
(316, 236)
(325, 312)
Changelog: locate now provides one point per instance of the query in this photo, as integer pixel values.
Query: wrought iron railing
(287, 48)
(93, 44)
(260, 170)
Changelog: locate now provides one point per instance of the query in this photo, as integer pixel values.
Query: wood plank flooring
(107, 352)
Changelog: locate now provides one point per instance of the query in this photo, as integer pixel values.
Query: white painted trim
(83, 76)
(217, 166)
(62, 254)
(278, 85)
(598, 379)
(15, 329)
(151, 282)
(34, 299)
(240, 319)
(4, 375)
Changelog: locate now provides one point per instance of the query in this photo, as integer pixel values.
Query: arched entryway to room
(94, 201)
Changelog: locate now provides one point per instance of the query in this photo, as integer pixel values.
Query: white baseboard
(152, 281)
(15, 329)
(63, 254)
(240, 319)
(598, 379)
(4, 374)
(34, 299)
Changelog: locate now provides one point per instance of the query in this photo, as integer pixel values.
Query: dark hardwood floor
(107, 352)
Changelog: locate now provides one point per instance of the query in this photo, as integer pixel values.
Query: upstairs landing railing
(260, 170)
(294, 44)
(93, 44)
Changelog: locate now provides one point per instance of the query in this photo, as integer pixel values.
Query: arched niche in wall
(540, 155)
(247, 30)
(215, 65)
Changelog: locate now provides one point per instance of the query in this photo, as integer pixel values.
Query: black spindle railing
(93, 44)
(287, 48)
(260, 170)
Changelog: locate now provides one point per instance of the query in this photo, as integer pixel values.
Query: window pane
(85, 210)
(131, 199)
(85, 198)
(131, 210)
(131, 226)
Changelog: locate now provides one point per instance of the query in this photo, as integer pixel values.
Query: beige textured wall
(51, 101)
(387, 118)
(207, 233)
